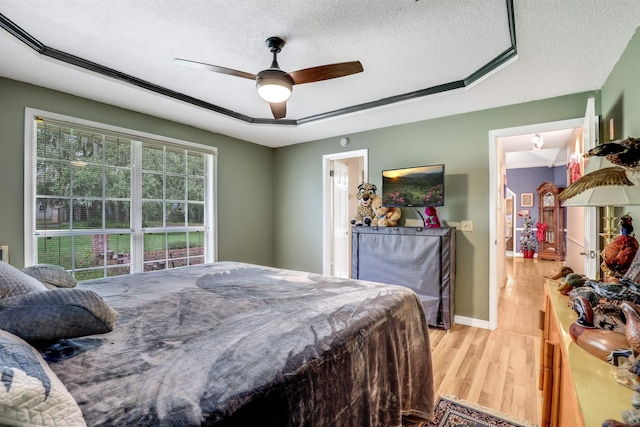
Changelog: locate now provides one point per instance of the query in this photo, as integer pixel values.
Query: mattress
(235, 344)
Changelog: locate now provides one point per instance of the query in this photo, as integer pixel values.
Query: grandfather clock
(551, 214)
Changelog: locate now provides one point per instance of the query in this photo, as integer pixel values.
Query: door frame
(496, 243)
(327, 218)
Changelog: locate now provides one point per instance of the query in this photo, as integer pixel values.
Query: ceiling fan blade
(279, 109)
(214, 68)
(326, 72)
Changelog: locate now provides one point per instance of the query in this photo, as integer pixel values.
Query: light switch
(467, 225)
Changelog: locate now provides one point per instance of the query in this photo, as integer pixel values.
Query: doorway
(498, 202)
(342, 173)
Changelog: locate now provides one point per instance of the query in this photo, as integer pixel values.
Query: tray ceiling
(409, 50)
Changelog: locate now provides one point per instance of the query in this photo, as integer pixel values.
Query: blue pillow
(34, 312)
(56, 314)
(52, 276)
(15, 282)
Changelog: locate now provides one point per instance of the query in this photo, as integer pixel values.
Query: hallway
(498, 369)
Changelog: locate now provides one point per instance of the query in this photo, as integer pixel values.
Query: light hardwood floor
(498, 369)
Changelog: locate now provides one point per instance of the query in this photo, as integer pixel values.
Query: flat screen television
(418, 186)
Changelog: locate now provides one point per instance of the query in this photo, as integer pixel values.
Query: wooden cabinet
(578, 389)
(551, 215)
(423, 259)
(559, 401)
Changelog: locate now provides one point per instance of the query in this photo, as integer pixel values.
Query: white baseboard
(470, 321)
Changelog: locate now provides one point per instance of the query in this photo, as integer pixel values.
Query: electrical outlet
(467, 225)
(4, 253)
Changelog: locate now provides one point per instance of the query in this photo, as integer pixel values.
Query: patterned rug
(453, 412)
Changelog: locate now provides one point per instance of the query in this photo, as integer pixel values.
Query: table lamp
(607, 196)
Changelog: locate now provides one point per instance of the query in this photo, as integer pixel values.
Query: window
(103, 201)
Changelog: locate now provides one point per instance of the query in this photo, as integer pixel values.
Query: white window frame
(30, 237)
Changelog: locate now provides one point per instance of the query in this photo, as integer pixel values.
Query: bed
(234, 344)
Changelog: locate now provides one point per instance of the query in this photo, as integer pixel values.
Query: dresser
(423, 259)
(578, 389)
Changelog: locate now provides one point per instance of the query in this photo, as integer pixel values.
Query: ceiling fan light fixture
(274, 86)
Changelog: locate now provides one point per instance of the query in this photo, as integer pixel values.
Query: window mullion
(30, 166)
(137, 235)
(211, 209)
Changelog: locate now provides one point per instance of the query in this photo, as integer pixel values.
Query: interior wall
(245, 170)
(527, 180)
(621, 102)
(460, 142)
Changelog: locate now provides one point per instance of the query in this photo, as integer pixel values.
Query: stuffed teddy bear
(432, 220)
(384, 217)
(365, 213)
(391, 220)
(380, 212)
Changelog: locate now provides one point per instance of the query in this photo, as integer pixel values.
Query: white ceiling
(520, 153)
(564, 47)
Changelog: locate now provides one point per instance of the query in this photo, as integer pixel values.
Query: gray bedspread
(244, 345)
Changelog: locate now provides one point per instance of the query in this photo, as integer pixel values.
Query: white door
(509, 231)
(336, 241)
(340, 215)
(577, 255)
(582, 233)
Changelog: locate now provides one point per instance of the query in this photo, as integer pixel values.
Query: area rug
(453, 412)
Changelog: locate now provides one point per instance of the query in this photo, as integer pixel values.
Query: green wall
(245, 170)
(621, 102)
(460, 142)
(621, 93)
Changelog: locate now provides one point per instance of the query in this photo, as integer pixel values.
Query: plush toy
(365, 213)
(379, 212)
(391, 219)
(384, 217)
(432, 220)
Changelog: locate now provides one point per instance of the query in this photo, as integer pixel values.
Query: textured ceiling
(563, 47)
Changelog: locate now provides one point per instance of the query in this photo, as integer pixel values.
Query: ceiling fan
(275, 85)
